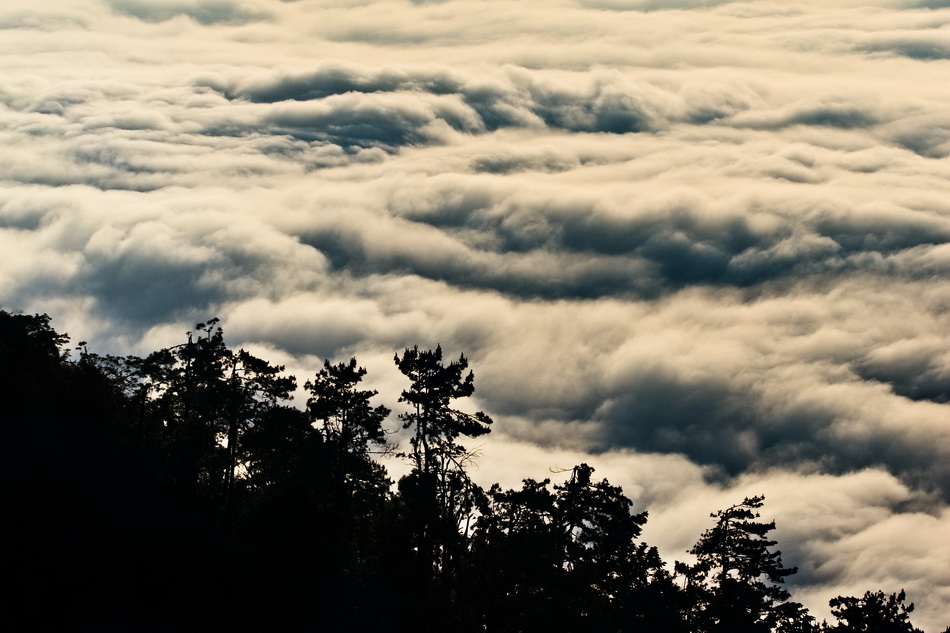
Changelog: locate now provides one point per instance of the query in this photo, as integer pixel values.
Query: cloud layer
(701, 245)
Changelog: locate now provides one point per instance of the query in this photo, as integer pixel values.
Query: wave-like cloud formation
(701, 245)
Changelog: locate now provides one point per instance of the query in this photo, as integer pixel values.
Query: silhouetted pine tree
(876, 612)
(734, 586)
(438, 499)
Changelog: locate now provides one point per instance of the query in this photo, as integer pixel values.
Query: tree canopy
(184, 491)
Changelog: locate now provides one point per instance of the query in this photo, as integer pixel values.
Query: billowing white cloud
(701, 245)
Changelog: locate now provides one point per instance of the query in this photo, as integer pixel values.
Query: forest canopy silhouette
(182, 491)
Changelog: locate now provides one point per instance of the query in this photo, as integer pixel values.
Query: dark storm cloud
(385, 122)
(506, 241)
(916, 46)
(652, 5)
(780, 381)
(607, 102)
(536, 273)
(350, 105)
(512, 162)
(925, 134)
(388, 122)
(142, 288)
(148, 274)
(150, 263)
(206, 12)
(758, 381)
(703, 418)
(713, 423)
(103, 136)
(839, 115)
(916, 369)
(326, 325)
(334, 79)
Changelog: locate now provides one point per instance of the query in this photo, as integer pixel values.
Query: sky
(701, 245)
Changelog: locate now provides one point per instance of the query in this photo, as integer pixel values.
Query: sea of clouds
(702, 245)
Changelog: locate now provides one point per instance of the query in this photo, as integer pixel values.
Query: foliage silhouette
(438, 500)
(181, 492)
(735, 582)
(876, 612)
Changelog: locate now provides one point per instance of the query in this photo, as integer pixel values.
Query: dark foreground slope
(178, 492)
